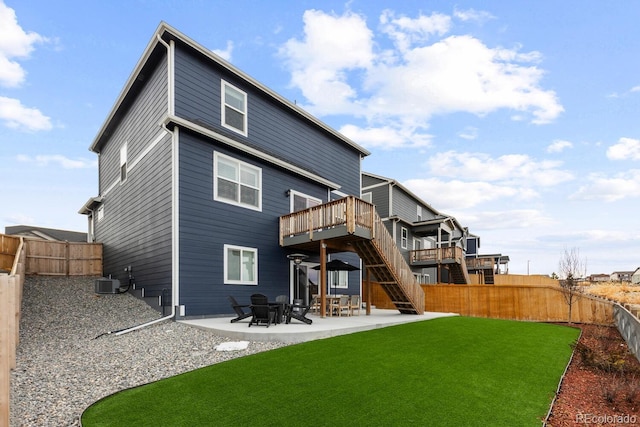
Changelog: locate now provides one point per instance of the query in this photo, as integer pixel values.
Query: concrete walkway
(321, 328)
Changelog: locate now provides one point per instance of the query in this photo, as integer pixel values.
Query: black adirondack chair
(299, 312)
(261, 311)
(238, 308)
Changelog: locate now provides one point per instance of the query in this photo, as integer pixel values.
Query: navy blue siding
(272, 128)
(136, 229)
(207, 225)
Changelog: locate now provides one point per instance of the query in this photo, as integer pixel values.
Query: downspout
(175, 294)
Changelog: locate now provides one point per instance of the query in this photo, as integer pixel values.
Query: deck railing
(397, 264)
(349, 211)
(480, 263)
(437, 255)
(354, 213)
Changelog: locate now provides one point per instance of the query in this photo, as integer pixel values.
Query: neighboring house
(51, 234)
(433, 243)
(621, 276)
(484, 265)
(593, 278)
(635, 277)
(197, 163)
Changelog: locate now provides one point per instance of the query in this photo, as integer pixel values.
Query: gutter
(175, 284)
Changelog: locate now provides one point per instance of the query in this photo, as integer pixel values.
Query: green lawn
(447, 372)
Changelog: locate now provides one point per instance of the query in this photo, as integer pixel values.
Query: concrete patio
(320, 328)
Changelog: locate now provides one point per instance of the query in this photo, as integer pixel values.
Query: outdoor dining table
(330, 300)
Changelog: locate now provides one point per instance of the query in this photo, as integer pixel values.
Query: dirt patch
(602, 383)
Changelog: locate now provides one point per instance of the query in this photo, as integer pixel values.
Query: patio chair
(299, 312)
(343, 304)
(261, 311)
(354, 304)
(238, 308)
(315, 304)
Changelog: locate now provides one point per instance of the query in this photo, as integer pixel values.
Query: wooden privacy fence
(64, 258)
(10, 302)
(532, 303)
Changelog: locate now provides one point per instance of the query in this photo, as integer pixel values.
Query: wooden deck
(353, 225)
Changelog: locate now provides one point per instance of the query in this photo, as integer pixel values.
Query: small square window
(240, 265)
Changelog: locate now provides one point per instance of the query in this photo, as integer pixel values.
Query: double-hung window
(404, 237)
(234, 108)
(301, 201)
(240, 265)
(237, 182)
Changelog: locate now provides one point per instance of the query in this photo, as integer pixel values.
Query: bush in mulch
(602, 383)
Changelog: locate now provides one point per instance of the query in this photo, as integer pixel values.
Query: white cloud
(332, 45)
(386, 137)
(226, 53)
(558, 146)
(342, 67)
(472, 15)
(625, 149)
(65, 162)
(456, 194)
(509, 168)
(15, 43)
(519, 218)
(17, 116)
(405, 32)
(469, 133)
(610, 189)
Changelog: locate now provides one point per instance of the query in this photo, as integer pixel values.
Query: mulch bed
(602, 384)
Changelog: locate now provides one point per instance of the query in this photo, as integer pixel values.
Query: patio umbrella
(337, 265)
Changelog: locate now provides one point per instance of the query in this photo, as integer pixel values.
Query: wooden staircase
(459, 273)
(356, 222)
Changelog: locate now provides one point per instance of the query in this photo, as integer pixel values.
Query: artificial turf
(447, 372)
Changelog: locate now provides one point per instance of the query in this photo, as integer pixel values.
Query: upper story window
(404, 238)
(301, 201)
(237, 182)
(234, 108)
(100, 213)
(367, 197)
(419, 213)
(123, 163)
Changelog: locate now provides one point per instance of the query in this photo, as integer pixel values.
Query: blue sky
(518, 118)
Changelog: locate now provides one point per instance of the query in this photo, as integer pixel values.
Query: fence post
(5, 351)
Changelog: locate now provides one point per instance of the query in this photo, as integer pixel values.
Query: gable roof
(440, 217)
(155, 48)
(46, 233)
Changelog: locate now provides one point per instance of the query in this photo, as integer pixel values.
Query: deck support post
(323, 278)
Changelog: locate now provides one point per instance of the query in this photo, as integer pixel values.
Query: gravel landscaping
(62, 367)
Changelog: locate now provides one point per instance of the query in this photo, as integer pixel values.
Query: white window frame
(242, 280)
(225, 105)
(123, 163)
(240, 165)
(404, 237)
(367, 197)
(100, 214)
(339, 280)
(311, 201)
(419, 213)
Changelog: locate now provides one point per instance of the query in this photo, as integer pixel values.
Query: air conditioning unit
(107, 286)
